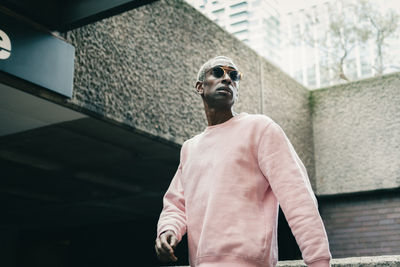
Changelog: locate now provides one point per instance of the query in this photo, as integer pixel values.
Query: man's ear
(199, 88)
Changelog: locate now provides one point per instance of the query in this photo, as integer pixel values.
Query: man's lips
(227, 89)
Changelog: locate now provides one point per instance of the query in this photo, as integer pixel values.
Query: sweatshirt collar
(225, 123)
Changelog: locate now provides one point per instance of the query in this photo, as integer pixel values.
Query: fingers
(173, 241)
(162, 255)
(164, 250)
(158, 252)
(166, 245)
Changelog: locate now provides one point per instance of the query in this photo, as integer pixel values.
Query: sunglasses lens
(234, 75)
(217, 72)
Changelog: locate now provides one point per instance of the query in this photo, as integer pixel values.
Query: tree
(348, 25)
(382, 25)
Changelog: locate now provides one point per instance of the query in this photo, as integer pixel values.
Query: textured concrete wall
(288, 103)
(357, 135)
(139, 68)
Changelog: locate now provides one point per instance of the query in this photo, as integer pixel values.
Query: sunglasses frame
(225, 69)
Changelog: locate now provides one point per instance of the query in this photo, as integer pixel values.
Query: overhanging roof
(60, 15)
(63, 168)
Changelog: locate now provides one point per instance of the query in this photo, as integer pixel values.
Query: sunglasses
(220, 71)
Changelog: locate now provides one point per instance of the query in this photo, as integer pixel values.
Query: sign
(36, 56)
(5, 45)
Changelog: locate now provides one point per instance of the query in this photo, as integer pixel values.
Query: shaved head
(219, 60)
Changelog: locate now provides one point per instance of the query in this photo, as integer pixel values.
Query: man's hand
(165, 245)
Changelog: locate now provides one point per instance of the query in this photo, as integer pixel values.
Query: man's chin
(221, 103)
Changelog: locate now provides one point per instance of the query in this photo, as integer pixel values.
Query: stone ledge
(389, 261)
(375, 261)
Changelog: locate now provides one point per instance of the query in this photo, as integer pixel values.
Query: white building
(255, 22)
(308, 62)
(271, 27)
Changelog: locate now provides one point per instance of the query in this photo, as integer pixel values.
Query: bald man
(231, 179)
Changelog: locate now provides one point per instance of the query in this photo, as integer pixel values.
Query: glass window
(351, 69)
(238, 5)
(218, 11)
(298, 75)
(365, 69)
(239, 14)
(311, 76)
(240, 23)
(256, 3)
(240, 32)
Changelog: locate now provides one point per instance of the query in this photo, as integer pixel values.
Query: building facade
(298, 41)
(254, 22)
(312, 52)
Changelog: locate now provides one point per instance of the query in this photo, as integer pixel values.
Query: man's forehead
(223, 62)
(217, 61)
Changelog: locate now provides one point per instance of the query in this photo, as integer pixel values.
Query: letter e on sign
(5, 45)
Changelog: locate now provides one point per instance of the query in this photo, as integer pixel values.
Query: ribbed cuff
(171, 228)
(320, 263)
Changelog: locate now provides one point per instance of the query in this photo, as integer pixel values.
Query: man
(229, 182)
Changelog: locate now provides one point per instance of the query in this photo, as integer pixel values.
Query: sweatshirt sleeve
(173, 216)
(289, 181)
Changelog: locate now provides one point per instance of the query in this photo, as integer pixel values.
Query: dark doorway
(129, 243)
(288, 248)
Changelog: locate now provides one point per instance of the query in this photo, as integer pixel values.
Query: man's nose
(226, 79)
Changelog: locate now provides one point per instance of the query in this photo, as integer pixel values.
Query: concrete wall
(357, 135)
(139, 69)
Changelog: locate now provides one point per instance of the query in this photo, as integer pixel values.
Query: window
(239, 14)
(351, 69)
(365, 68)
(298, 75)
(240, 23)
(240, 33)
(311, 75)
(218, 11)
(238, 5)
(256, 3)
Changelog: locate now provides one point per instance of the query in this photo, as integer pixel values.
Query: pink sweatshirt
(226, 191)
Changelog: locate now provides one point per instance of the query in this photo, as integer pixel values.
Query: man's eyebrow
(232, 67)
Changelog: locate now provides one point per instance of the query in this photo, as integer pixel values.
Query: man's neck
(215, 117)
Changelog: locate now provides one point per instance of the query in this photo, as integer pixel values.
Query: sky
(286, 6)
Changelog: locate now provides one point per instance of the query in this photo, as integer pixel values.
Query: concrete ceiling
(20, 111)
(63, 15)
(63, 168)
